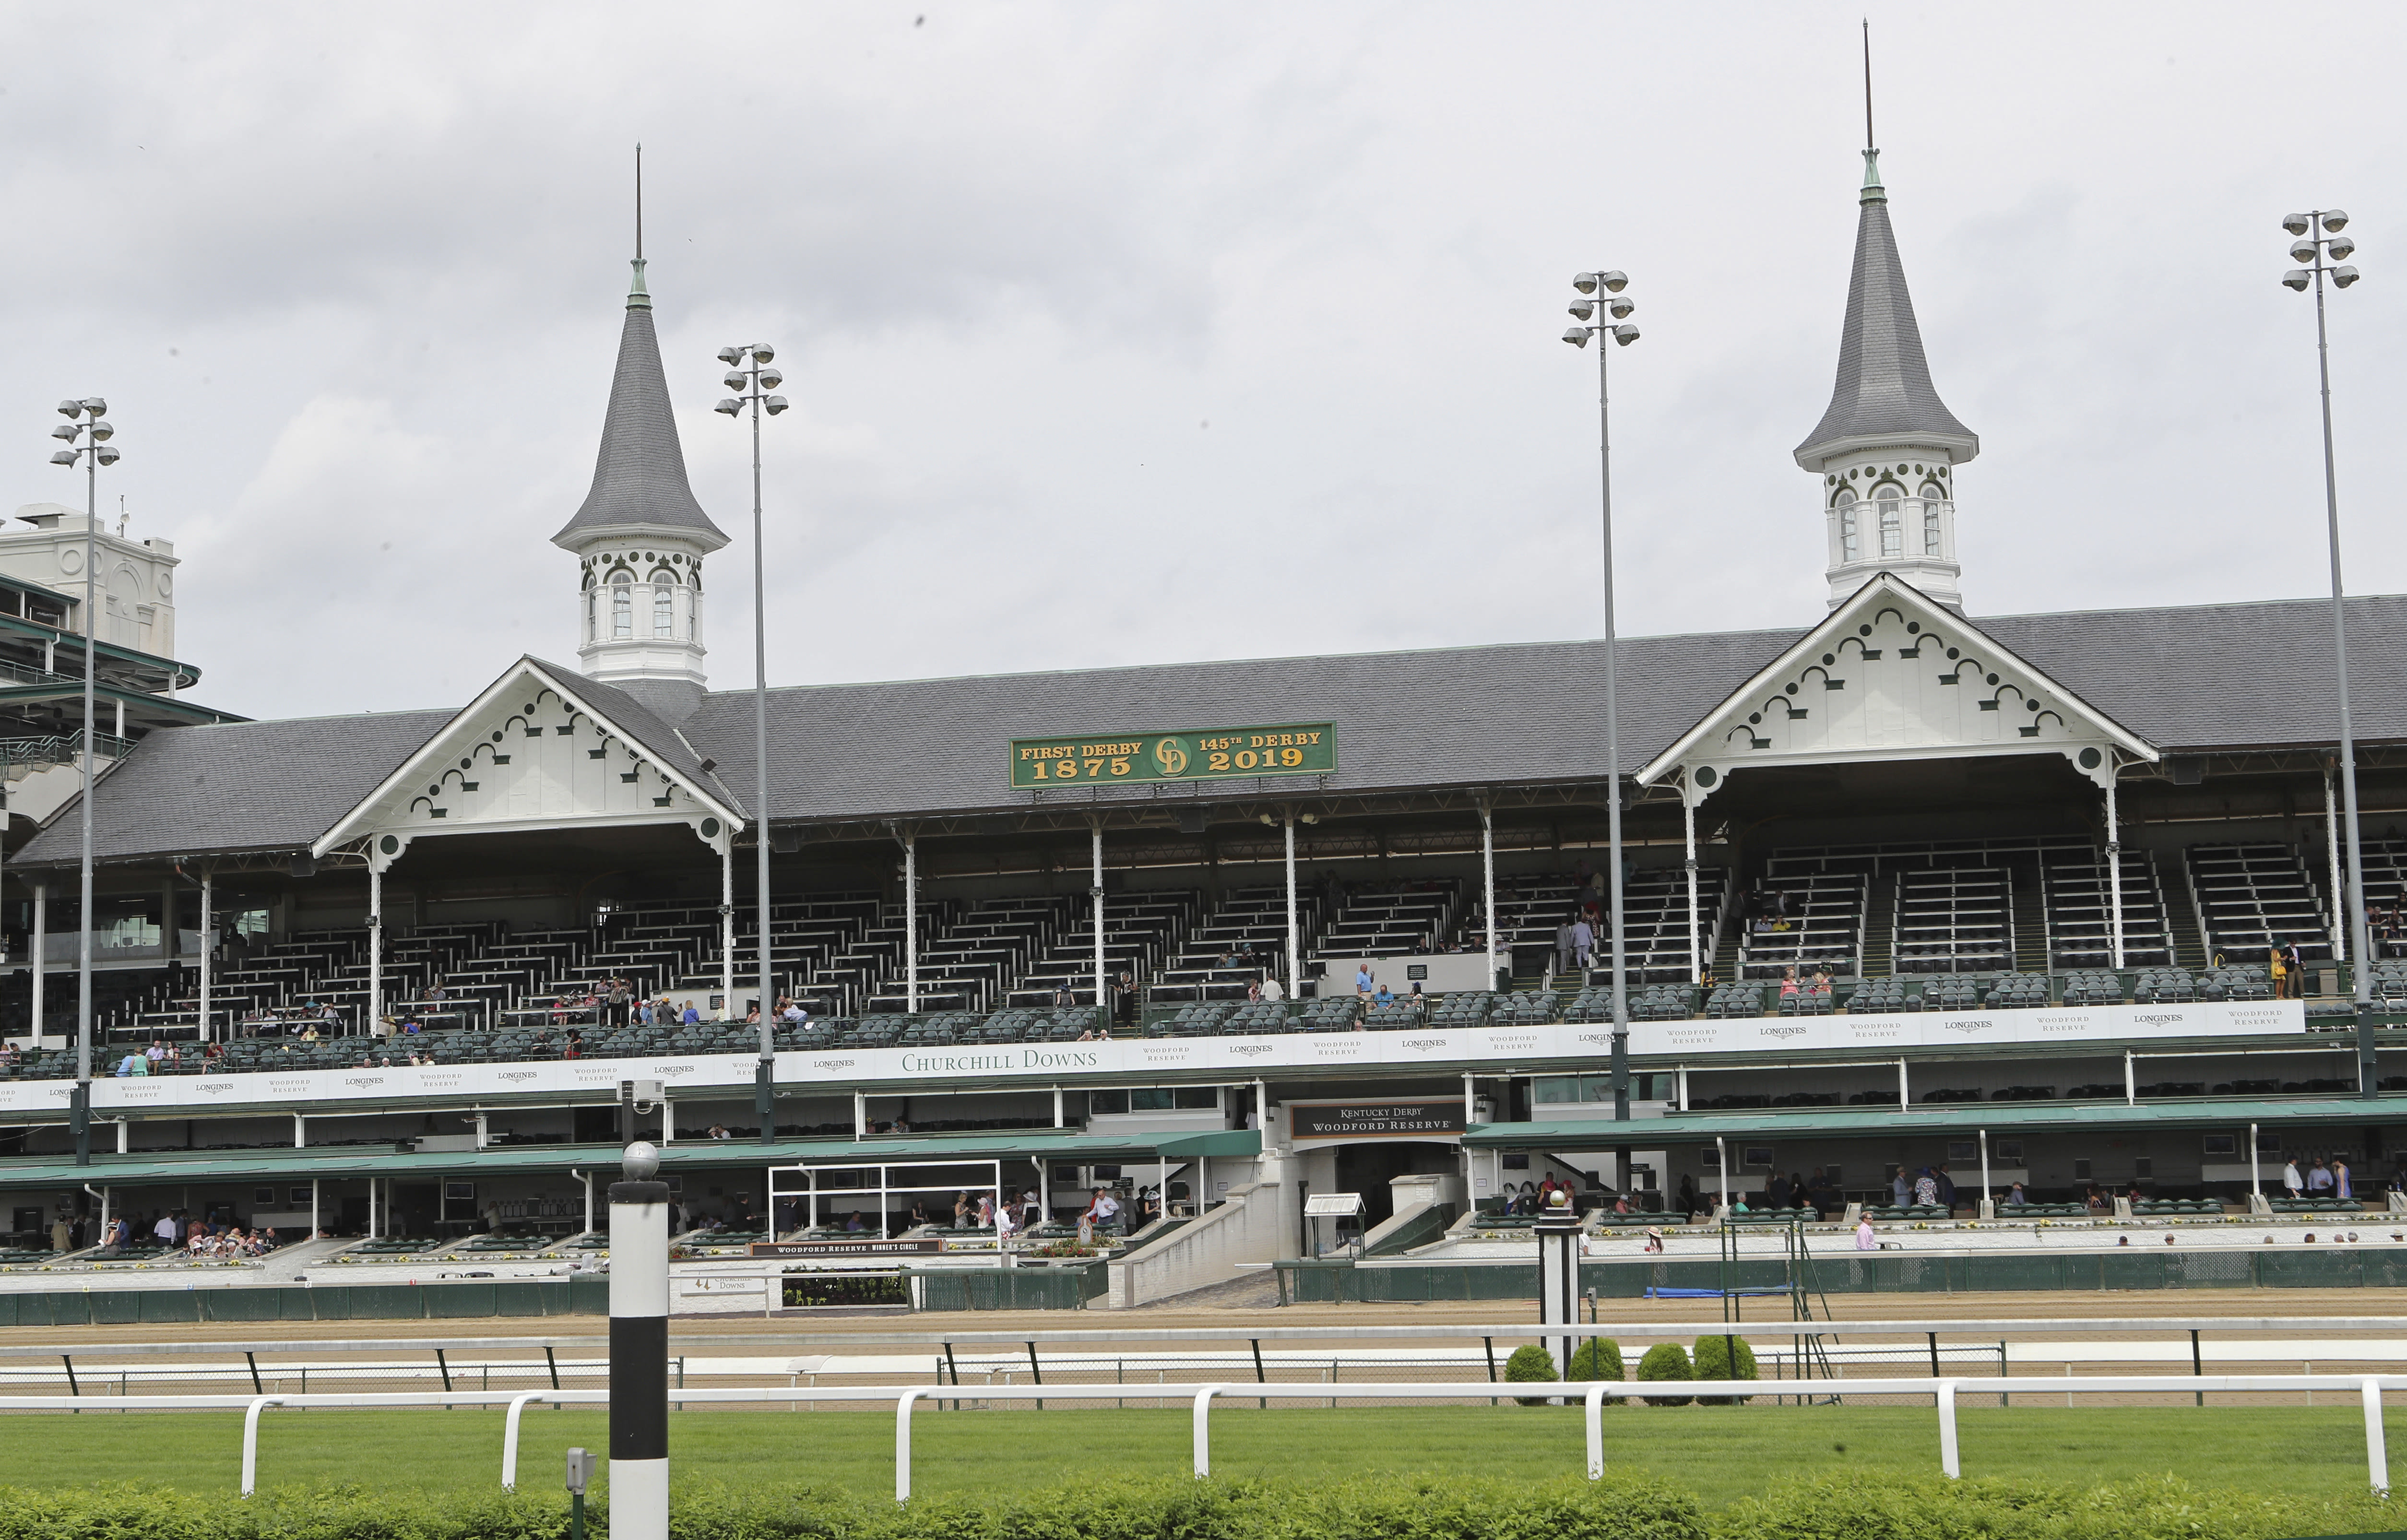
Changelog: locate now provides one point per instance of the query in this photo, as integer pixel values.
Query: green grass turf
(1719, 1452)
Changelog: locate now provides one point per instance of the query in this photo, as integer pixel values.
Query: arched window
(1851, 543)
(592, 609)
(1934, 503)
(1892, 522)
(664, 604)
(622, 605)
(694, 609)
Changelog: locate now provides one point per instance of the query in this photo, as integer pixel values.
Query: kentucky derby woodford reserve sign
(1218, 754)
(845, 1249)
(1374, 1120)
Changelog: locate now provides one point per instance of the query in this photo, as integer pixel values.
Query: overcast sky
(1139, 333)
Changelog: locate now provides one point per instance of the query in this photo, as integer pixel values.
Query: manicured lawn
(1720, 1452)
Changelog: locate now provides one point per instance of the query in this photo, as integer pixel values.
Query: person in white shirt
(1583, 941)
(1272, 991)
(1105, 1209)
(166, 1230)
(2291, 1180)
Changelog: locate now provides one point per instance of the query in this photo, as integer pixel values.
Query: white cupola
(640, 537)
(1887, 447)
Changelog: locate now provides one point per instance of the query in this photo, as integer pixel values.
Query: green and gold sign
(1219, 753)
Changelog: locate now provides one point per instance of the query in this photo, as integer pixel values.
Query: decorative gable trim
(1892, 674)
(529, 753)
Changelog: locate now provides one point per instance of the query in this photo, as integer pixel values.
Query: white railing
(1243, 1229)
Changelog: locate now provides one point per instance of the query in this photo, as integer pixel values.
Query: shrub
(1529, 1364)
(1870, 1504)
(1598, 1358)
(1714, 1363)
(1666, 1360)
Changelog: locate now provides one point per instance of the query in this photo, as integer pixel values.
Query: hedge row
(1622, 1507)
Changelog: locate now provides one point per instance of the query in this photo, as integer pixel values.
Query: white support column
(41, 949)
(911, 924)
(1487, 881)
(1057, 1109)
(300, 1132)
(209, 946)
(2339, 893)
(314, 1225)
(1294, 964)
(124, 1137)
(1696, 944)
(1103, 1000)
(375, 943)
(2131, 1080)
(2255, 1188)
(1904, 1098)
(2115, 868)
(859, 1115)
(726, 940)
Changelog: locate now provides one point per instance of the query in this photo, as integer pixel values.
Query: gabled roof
(1884, 389)
(639, 476)
(488, 739)
(1893, 674)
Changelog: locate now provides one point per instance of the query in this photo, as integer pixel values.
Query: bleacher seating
(2017, 991)
(1820, 925)
(1655, 925)
(2252, 898)
(1954, 919)
(2079, 905)
(1391, 920)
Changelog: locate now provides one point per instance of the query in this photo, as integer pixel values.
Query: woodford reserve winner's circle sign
(1216, 753)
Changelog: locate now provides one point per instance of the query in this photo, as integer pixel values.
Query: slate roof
(1883, 384)
(2188, 679)
(639, 474)
(236, 785)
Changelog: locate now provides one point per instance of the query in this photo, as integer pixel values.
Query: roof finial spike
(638, 297)
(1873, 191)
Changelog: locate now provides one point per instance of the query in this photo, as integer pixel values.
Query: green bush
(1530, 1364)
(1598, 1358)
(1868, 1506)
(1714, 1363)
(1666, 1360)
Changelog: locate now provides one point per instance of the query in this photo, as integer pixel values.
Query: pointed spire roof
(639, 476)
(1884, 389)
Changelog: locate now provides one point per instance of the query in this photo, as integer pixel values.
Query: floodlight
(1614, 282)
(2295, 278)
(762, 352)
(63, 457)
(776, 403)
(1624, 335)
(2296, 224)
(2343, 275)
(1584, 309)
(1575, 335)
(731, 406)
(1620, 306)
(70, 408)
(101, 431)
(1583, 282)
(67, 431)
(771, 379)
(2302, 250)
(92, 406)
(105, 454)
(2340, 247)
(735, 355)
(734, 382)
(2335, 221)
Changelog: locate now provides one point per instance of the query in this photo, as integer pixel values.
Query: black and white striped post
(639, 1349)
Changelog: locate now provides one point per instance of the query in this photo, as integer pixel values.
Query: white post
(910, 924)
(1294, 964)
(859, 1115)
(2331, 839)
(1904, 1098)
(727, 935)
(1204, 1429)
(314, 1225)
(1103, 1001)
(1696, 942)
(2254, 1190)
(207, 946)
(1985, 1169)
(1057, 1106)
(1948, 1461)
(2377, 1458)
(2130, 1081)
(376, 943)
(1721, 1166)
(1487, 881)
(2114, 870)
(41, 949)
(372, 1209)
(300, 1132)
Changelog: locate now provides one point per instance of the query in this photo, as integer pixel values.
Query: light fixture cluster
(2321, 248)
(1615, 306)
(753, 382)
(86, 432)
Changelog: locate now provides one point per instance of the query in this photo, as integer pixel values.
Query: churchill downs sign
(1218, 753)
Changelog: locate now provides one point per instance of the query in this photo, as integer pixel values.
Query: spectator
(1776, 1191)
(2319, 1180)
(1900, 1186)
(1124, 1002)
(1565, 955)
(1062, 996)
(1583, 941)
(2279, 966)
(854, 1223)
(1363, 981)
(690, 1016)
(1688, 1198)
(2296, 965)
(2341, 1188)
(1383, 999)
(1788, 980)
(1946, 1188)
(1799, 1196)
(1926, 1188)
(1105, 1210)
(2291, 1182)
(2015, 1196)
(719, 1130)
(1865, 1239)
(1272, 989)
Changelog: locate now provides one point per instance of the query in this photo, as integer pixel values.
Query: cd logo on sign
(1171, 755)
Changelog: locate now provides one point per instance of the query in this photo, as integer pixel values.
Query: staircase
(2181, 915)
(1880, 928)
(2031, 917)
(1726, 955)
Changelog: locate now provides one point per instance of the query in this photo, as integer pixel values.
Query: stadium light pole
(1602, 306)
(2323, 252)
(87, 434)
(749, 375)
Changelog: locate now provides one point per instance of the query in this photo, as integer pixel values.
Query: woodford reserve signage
(1219, 753)
(1374, 1120)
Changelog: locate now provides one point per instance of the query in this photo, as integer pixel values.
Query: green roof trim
(1952, 1118)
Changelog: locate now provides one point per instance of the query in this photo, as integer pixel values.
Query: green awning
(2018, 1117)
(358, 1162)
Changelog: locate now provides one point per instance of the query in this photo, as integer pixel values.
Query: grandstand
(1902, 885)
